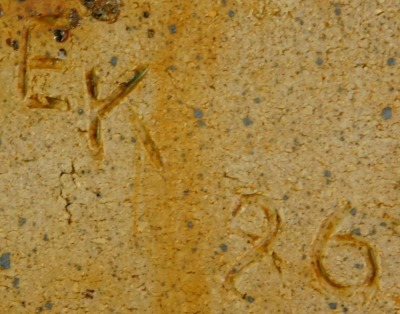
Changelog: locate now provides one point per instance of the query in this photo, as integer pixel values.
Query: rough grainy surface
(219, 157)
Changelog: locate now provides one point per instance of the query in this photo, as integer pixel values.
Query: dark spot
(189, 224)
(172, 68)
(12, 43)
(391, 62)
(113, 61)
(15, 282)
(247, 121)
(89, 3)
(21, 221)
(81, 111)
(386, 113)
(98, 195)
(223, 247)
(146, 14)
(5, 262)
(231, 13)
(198, 57)
(285, 197)
(39, 309)
(48, 305)
(60, 35)
(45, 237)
(332, 305)
(299, 20)
(172, 29)
(88, 294)
(353, 211)
(319, 61)
(359, 266)
(104, 10)
(150, 33)
(257, 100)
(327, 174)
(133, 140)
(345, 310)
(338, 11)
(250, 299)
(383, 224)
(62, 54)
(74, 18)
(356, 231)
(198, 113)
(186, 192)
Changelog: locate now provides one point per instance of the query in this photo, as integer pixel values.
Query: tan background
(278, 156)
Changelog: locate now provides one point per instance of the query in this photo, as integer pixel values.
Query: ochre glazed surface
(199, 156)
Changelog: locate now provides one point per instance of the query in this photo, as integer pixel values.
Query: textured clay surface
(199, 156)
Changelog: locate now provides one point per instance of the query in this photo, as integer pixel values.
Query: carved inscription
(262, 236)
